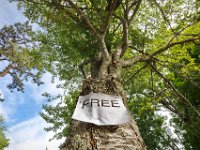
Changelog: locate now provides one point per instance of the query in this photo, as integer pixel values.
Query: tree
(111, 41)
(19, 58)
(151, 124)
(18, 55)
(188, 84)
(3, 141)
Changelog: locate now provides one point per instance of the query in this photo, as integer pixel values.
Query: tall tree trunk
(86, 136)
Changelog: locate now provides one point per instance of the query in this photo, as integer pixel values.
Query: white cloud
(12, 99)
(4, 110)
(48, 86)
(29, 135)
(32, 94)
(9, 13)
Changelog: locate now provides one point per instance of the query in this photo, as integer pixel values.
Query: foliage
(152, 46)
(189, 85)
(60, 114)
(3, 141)
(18, 56)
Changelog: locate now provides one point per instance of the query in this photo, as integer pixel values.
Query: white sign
(101, 109)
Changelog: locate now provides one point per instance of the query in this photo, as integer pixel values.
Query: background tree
(3, 141)
(18, 57)
(187, 123)
(117, 44)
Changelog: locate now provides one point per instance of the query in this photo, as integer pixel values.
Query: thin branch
(118, 17)
(125, 30)
(135, 11)
(169, 45)
(163, 15)
(146, 57)
(55, 4)
(178, 33)
(136, 73)
(3, 59)
(197, 34)
(138, 50)
(81, 67)
(126, 25)
(169, 105)
(152, 82)
(119, 24)
(6, 70)
(100, 37)
(172, 142)
(113, 6)
(30, 1)
(82, 15)
(178, 93)
(121, 49)
(131, 5)
(166, 64)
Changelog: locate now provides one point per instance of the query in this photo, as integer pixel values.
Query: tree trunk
(86, 136)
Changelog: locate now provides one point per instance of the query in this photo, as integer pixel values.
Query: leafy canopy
(150, 43)
(18, 56)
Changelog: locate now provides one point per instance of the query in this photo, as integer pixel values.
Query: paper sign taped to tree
(101, 109)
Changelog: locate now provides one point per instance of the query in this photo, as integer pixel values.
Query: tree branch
(100, 36)
(163, 15)
(84, 18)
(146, 57)
(112, 6)
(178, 33)
(169, 45)
(169, 105)
(136, 73)
(131, 5)
(135, 11)
(3, 59)
(134, 60)
(122, 47)
(138, 50)
(177, 92)
(125, 36)
(126, 24)
(6, 70)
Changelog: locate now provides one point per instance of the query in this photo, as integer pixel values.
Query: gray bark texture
(86, 136)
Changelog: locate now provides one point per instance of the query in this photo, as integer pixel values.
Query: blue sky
(21, 110)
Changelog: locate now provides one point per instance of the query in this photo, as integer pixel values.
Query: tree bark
(86, 136)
